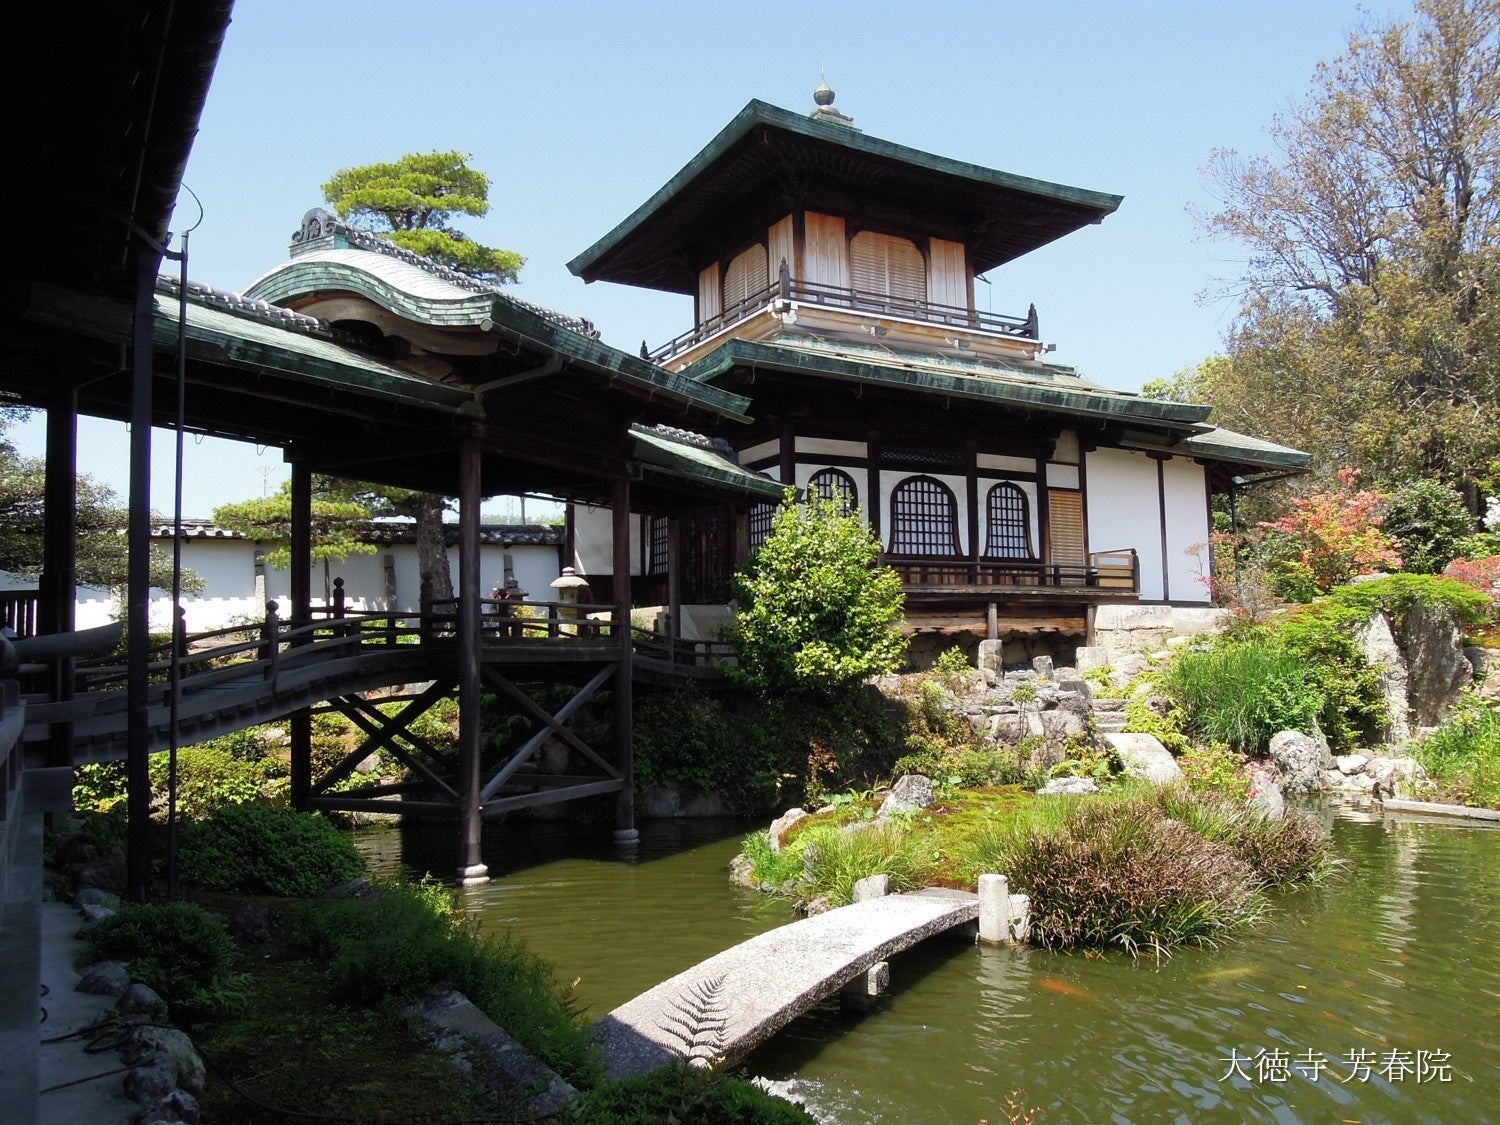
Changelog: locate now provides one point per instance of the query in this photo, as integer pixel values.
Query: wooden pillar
(971, 500)
(471, 866)
(59, 580)
(625, 832)
(301, 611)
(674, 580)
(873, 508)
(138, 586)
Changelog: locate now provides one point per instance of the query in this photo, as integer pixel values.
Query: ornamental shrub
(1429, 523)
(1328, 537)
(815, 609)
(260, 850)
(1242, 689)
(177, 949)
(210, 778)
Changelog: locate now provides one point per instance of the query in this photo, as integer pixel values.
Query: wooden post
(301, 591)
(674, 584)
(625, 833)
(59, 579)
(471, 866)
(138, 585)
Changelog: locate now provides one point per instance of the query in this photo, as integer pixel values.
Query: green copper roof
(1042, 388)
(1226, 445)
(768, 161)
(691, 457)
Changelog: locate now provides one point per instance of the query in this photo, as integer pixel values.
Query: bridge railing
(681, 651)
(503, 620)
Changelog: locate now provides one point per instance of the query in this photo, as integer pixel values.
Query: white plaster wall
(1187, 526)
(1062, 476)
(593, 541)
(957, 485)
(829, 447)
(1123, 511)
(1014, 464)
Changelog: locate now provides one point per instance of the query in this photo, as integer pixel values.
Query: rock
(356, 887)
(1074, 685)
(150, 1084)
(1060, 725)
(368, 764)
(107, 872)
(1486, 665)
(1069, 786)
(872, 886)
(1351, 763)
(149, 1042)
(780, 825)
(1266, 795)
(142, 1000)
(107, 978)
(990, 659)
(1127, 668)
(1398, 777)
(1301, 760)
(1380, 650)
(95, 896)
(1042, 666)
(249, 925)
(1076, 702)
(1144, 757)
(92, 914)
(911, 792)
(741, 867)
(1089, 657)
(821, 904)
(178, 1106)
(1437, 670)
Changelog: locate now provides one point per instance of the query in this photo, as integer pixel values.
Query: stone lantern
(569, 587)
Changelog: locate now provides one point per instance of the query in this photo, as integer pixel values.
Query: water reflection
(1400, 953)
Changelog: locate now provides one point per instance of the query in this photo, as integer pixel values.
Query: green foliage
(1368, 329)
(1325, 539)
(1429, 523)
(1463, 755)
(407, 940)
(952, 669)
(1167, 728)
(815, 609)
(1395, 594)
(685, 1095)
(1353, 711)
(99, 786)
(772, 868)
(1242, 689)
(1116, 872)
(177, 949)
(764, 753)
(1214, 768)
(413, 201)
(210, 779)
(841, 858)
(100, 540)
(261, 850)
(336, 521)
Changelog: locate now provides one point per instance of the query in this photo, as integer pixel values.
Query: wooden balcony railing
(1113, 570)
(855, 300)
(18, 610)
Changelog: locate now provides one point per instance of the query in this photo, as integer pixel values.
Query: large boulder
(1301, 759)
(783, 822)
(1437, 669)
(1378, 644)
(1144, 757)
(911, 793)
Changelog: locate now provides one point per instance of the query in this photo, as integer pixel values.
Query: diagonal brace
(550, 725)
(415, 707)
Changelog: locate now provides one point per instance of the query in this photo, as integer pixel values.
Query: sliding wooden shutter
(1068, 546)
(887, 266)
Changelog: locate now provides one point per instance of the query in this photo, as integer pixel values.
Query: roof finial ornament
(824, 109)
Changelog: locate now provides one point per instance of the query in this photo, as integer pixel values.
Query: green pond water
(1316, 1016)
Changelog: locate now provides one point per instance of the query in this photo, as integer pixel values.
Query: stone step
(1109, 724)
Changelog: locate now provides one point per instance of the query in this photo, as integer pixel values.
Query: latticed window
(924, 518)
(887, 266)
(659, 532)
(760, 524)
(835, 485)
(745, 277)
(1008, 534)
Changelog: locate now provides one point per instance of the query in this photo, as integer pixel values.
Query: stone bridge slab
(724, 1007)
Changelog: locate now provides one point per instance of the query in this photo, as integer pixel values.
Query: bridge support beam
(471, 866)
(625, 832)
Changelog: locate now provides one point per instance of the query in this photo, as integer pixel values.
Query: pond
(1373, 997)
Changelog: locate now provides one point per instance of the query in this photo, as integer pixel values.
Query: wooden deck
(727, 1005)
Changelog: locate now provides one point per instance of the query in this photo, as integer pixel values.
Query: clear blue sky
(579, 111)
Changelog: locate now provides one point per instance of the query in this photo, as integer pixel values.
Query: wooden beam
(625, 832)
(471, 867)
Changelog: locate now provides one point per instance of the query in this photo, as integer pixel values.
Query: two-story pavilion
(833, 283)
